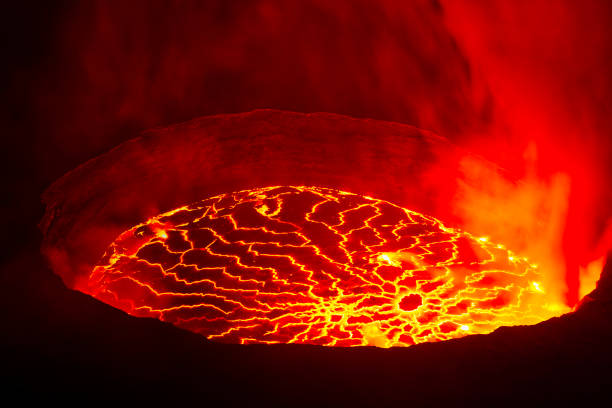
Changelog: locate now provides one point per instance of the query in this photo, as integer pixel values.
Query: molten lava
(318, 266)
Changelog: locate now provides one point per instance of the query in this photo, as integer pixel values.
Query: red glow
(546, 66)
(497, 77)
(318, 266)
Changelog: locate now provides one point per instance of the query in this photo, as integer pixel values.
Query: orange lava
(318, 266)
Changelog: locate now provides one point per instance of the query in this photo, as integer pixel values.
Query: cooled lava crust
(317, 266)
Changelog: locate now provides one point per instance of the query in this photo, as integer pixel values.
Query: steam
(546, 65)
(527, 216)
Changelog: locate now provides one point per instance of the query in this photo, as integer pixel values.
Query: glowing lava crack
(318, 266)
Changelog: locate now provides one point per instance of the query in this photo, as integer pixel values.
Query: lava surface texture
(318, 266)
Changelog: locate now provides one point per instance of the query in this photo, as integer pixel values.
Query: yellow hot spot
(384, 257)
(389, 259)
(537, 287)
(556, 308)
(263, 209)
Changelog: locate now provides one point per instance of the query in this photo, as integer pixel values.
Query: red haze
(547, 65)
(502, 78)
